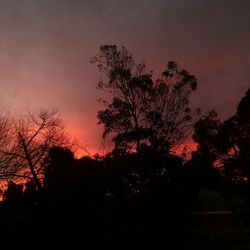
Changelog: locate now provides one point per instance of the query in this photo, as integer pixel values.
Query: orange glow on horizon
(183, 150)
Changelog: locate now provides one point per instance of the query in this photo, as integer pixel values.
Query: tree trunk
(138, 141)
(27, 157)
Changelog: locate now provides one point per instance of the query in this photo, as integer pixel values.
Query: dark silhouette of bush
(13, 195)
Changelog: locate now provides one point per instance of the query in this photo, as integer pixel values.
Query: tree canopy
(143, 113)
(227, 141)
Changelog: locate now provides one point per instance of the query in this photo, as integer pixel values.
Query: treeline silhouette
(132, 199)
(138, 195)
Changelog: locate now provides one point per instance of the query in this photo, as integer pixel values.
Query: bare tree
(26, 141)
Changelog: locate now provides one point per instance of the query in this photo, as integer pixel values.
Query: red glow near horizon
(45, 53)
(183, 150)
(45, 62)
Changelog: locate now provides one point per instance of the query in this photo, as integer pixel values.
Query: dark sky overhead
(46, 45)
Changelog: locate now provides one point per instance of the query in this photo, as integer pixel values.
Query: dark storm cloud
(45, 48)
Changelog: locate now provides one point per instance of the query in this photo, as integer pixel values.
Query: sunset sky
(46, 45)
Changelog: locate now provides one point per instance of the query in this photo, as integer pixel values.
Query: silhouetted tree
(57, 164)
(30, 194)
(27, 142)
(71, 181)
(13, 194)
(201, 167)
(59, 167)
(206, 132)
(143, 113)
(234, 141)
(225, 143)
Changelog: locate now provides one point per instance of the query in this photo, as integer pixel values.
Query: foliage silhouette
(226, 142)
(234, 138)
(143, 113)
(206, 131)
(13, 194)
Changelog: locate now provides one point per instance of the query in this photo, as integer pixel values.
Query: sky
(46, 45)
